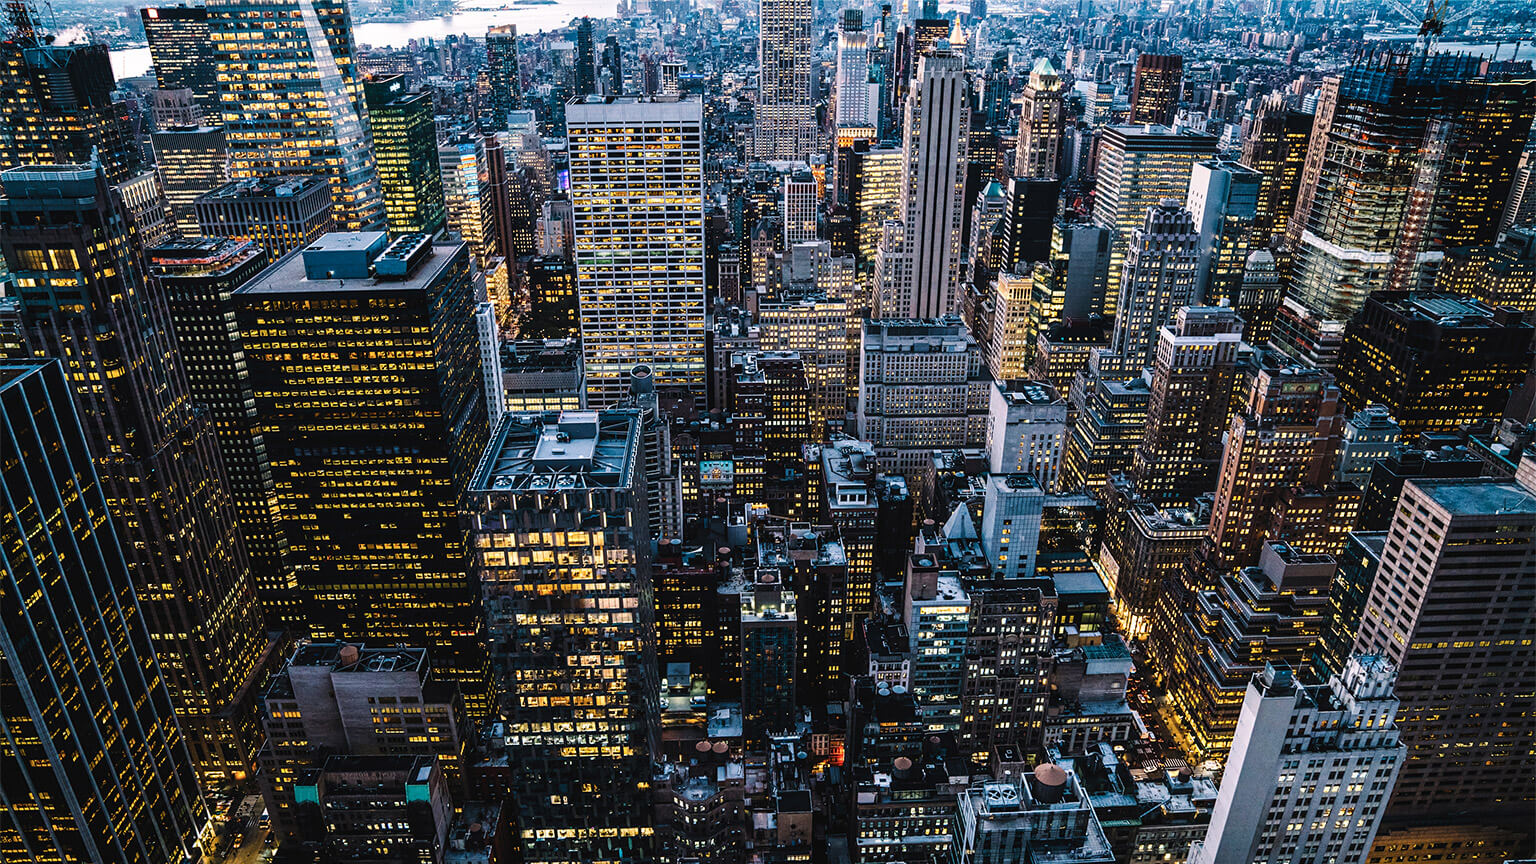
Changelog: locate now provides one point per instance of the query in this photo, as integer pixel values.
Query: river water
(531, 18)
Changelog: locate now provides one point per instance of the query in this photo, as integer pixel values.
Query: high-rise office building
(506, 77)
(199, 278)
(1029, 221)
(1042, 815)
(851, 93)
(467, 195)
(301, 52)
(1079, 270)
(1138, 167)
(639, 241)
(1360, 169)
(874, 198)
(586, 59)
(279, 214)
(67, 237)
(1160, 276)
(1435, 361)
(768, 655)
(1009, 349)
(1310, 768)
(144, 199)
(178, 46)
(193, 161)
(1286, 433)
(1041, 124)
(176, 108)
(1159, 84)
(1224, 201)
(553, 310)
(1027, 430)
(58, 106)
(343, 699)
(95, 767)
(1146, 549)
(1276, 147)
(1451, 606)
(1010, 524)
(1212, 633)
(405, 149)
(918, 269)
(1194, 370)
(366, 371)
(569, 489)
(1466, 167)
(1259, 296)
(799, 205)
(1498, 274)
(784, 118)
(1111, 421)
(922, 385)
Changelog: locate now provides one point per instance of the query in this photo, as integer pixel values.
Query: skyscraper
(1161, 270)
(1028, 221)
(919, 268)
(84, 300)
(1139, 166)
(1159, 84)
(1010, 524)
(784, 118)
(1309, 769)
(1259, 295)
(586, 59)
(58, 106)
(1194, 366)
(178, 46)
(95, 768)
(405, 148)
(365, 368)
(279, 214)
(1435, 361)
(193, 161)
(799, 206)
(639, 241)
(1360, 169)
(1286, 433)
(1276, 147)
(922, 385)
(874, 198)
(467, 192)
(569, 489)
(199, 278)
(1041, 124)
(301, 52)
(1451, 606)
(852, 87)
(1466, 168)
(1224, 201)
(506, 78)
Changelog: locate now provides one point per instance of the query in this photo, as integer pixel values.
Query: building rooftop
(360, 261)
(564, 451)
(1028, 393)
(347, 657)
(268, 187)
(199, 256)
(1478, 496)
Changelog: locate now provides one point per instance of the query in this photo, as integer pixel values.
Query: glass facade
(95, 768)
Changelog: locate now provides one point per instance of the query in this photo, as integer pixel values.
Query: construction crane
(1433, 20)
